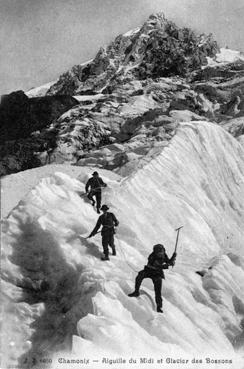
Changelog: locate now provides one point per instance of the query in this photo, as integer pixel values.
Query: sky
(40, 39)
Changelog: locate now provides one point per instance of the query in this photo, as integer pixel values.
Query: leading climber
(157, 261)
(93, 188)
(108, 221)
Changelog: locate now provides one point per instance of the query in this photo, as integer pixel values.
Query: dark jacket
(108, 221)
(95, 184)
(157, 262)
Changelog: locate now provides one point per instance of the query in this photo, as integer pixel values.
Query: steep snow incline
(197, 182)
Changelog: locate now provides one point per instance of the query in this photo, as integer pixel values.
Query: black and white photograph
(122, 184)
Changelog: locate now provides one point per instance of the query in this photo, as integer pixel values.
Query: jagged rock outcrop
(24, 128)
(20, 115)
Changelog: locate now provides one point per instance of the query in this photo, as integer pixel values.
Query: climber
(108, 221)
(95, 183)
(157, 261)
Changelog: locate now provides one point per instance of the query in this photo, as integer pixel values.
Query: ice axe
(94, 234)
(83, 194)
(177, 237)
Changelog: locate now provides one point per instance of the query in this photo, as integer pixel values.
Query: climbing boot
(114, 252)
(104, 258)
(159, 310)
(98, 211)
(93, 202)
(134, 294)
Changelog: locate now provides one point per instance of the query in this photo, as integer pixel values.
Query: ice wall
(83, 307)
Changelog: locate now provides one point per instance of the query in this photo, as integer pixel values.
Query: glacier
(197, 182)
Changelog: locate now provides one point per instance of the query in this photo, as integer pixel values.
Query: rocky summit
(121, 108)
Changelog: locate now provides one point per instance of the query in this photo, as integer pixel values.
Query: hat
(159, 247)
(95, 174)
(104, 207)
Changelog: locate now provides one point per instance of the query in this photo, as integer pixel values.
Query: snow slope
(225, 56)
(198, 182)
(16, 186)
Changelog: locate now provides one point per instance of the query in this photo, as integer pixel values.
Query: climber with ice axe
(158, 260)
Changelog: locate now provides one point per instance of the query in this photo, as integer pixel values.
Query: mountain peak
(157, 17)
(158, 49)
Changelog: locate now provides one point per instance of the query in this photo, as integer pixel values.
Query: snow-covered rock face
(158, 49)
(60, 300)
(40, 91)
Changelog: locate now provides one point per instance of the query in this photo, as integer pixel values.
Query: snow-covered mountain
(158, 49)
(114, 109)
(84, 310)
